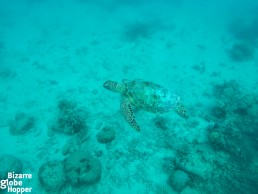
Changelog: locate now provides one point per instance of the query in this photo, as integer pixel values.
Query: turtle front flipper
(181, 110)
(127, 111)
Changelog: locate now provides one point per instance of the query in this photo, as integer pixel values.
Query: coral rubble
(70, 119)
(51, 176)
(81, 168)
(21, 124)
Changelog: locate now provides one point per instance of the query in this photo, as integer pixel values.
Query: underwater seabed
(61, 126)
(212, 151)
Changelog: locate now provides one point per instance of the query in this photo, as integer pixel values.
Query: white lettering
(10, 189)
(4, 183)
(19, 190)
(12, 175)
(14, 183)
(9, 175)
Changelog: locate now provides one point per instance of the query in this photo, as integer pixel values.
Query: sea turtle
(144, 95)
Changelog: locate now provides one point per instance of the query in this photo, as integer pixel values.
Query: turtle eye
(106, 85)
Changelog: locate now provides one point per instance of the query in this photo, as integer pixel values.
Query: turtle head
(114, 86)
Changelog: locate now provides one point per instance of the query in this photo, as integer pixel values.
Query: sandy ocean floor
(52, 51)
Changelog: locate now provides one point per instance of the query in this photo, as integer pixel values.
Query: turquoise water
(59, 124)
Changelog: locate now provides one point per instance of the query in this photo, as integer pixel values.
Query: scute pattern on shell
(150, 96)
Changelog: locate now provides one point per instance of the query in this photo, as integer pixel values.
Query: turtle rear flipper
(127, 111)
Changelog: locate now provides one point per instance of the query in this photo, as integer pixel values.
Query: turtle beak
(106, 85)
(111, 85)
